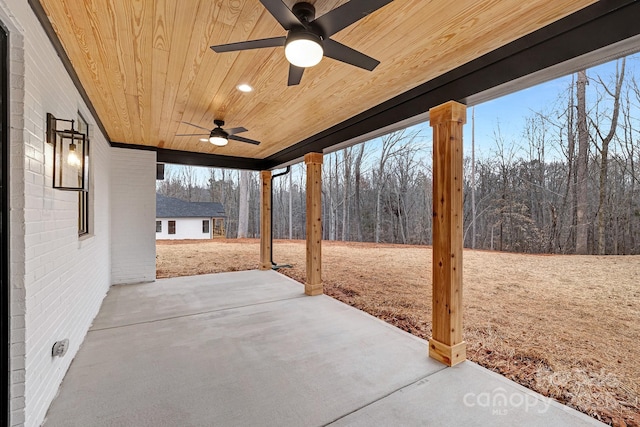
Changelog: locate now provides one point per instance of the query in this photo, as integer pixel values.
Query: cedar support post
(265, 221)
(446, 344)
(313, 285)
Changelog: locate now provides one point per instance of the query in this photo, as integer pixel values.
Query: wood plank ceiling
(146, 65)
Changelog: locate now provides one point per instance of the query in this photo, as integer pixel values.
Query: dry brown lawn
(565, 326)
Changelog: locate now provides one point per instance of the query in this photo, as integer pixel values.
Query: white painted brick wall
(133, 214)
(58, 280)
(17, 349)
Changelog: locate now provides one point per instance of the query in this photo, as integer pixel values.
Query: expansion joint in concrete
(422, 378)
(196, 314)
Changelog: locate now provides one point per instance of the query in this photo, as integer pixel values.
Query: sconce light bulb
(73, 158)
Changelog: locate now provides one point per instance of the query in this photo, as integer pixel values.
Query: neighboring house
(178, 219)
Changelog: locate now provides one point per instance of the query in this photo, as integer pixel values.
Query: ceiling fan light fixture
(218, 140)
(218, 137)
(303, 48)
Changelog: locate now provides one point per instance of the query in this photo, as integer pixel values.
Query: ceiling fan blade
(233, 131)
(199, 127)
(345, 15)
(192, 134)
(295, 75)
(241, 139)
(343, 53)
(282, 13)
(251, 44)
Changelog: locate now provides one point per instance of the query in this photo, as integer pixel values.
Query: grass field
(565, 326)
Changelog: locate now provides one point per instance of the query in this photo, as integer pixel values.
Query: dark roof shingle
(170, 207)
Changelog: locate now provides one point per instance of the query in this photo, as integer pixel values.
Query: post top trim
(313, 158)
(448, 112)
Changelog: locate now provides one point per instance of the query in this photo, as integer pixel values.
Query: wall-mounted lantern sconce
(69, 154)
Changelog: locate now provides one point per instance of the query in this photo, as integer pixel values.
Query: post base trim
(447, 354)
(313, 290)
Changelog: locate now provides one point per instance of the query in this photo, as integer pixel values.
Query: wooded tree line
(568, 184)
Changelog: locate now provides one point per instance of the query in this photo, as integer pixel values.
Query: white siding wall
(58, 280)
(186, 228)
(133, 213)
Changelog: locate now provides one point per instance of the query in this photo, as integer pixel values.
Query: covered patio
(250, 348)
(147, 84)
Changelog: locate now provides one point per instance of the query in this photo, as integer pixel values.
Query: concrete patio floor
(250, 349)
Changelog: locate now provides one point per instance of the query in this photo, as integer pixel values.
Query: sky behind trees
(511, 111)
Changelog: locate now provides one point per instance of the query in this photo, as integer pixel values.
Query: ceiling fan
(218, 136)
(308, 38)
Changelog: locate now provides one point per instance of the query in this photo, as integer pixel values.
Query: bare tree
(389, 143)
(171, 186)
(188, 177)
(631, 146)
(473, 178)
(603, 149)
(582, 189)
(357, 202)
(347, 160)
(243, 206)
(213, 186)
(290, 205)
(570, 192)
(330, 195)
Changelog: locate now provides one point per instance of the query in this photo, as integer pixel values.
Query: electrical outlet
(60, 348)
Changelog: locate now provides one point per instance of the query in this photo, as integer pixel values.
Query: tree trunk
(331, 196)
(401, 218)
(188, 178)
(569, 195)
(224, 201)
(582, 190)
(358, 166)
(378, 207)
(212, 185)
(290, 205)
(473, 177)
(604, 159)
(388, 144)
(346, 187)
(243, 206)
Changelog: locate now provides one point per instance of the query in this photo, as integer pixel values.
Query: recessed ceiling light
(244, 88)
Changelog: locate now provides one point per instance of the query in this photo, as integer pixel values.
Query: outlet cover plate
(60, 348)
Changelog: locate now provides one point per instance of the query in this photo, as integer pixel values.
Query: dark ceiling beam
(592, 28)
(191, 158)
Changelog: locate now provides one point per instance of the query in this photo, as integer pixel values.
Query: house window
(205, 226)
(172, 227)
(158, 226)
(83, 196)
